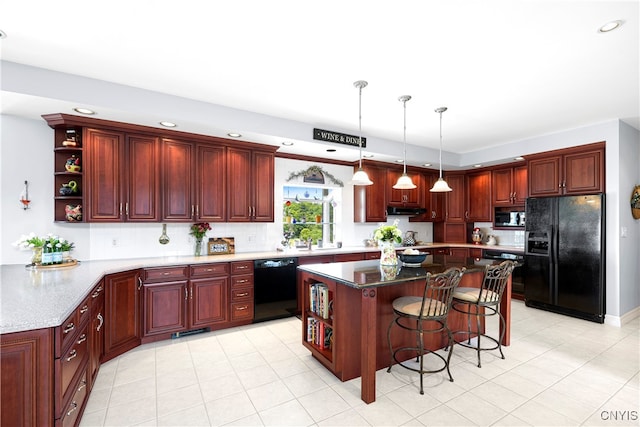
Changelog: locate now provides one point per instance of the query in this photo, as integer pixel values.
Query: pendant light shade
(440, 186)
(404, 182)
(360, 177)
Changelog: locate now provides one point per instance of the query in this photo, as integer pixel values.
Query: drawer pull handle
(244, 307)
(84, 309)
(209, 269)
(82, 338)
(83, 384)
(72, 355)
(241, 267)
(73, 407)
(242, 281)
(70, 327)
(166, 273)
(244, 294)
(101, 319)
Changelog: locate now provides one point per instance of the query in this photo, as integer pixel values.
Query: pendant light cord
(404, 145)
(441, 110)
(360, 122)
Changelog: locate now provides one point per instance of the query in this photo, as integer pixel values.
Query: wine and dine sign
(339, 138)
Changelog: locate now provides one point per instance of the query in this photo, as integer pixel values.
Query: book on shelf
(320, 300)
(319, 333)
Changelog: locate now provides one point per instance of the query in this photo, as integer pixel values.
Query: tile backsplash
(503, 237)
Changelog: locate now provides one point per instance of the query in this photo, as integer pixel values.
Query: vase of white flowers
(387, 236)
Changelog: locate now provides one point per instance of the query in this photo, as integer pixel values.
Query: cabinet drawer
(245, 280)
(72, 408)
(68, 366)
(241, 310)
(164, 274)
(372, 255)
(66, 332)
(84, 312)
(208, 270)
(242, 294)
(242, 267)
(348, 257)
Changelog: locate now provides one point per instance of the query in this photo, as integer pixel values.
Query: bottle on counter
(47, 253)
(57, 253)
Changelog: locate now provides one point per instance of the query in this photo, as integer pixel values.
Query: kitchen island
(348, 307)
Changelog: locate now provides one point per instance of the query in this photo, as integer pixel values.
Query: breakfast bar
(349, 304)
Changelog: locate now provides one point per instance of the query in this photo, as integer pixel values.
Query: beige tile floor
(558, 371)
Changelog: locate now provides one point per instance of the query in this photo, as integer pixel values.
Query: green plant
(388, 233)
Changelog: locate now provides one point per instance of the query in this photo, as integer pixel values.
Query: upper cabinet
(455, 200)
(509, 186)
(578, 170)
(478, 196)
(404, 198)
(112, 172)
(370, 201)
(250, 185)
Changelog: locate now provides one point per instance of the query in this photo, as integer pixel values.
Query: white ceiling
(506, 70)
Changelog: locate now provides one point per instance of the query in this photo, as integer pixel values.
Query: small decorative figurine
(73, 213)
(73, 164)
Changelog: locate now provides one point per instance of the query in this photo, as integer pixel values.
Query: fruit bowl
(412, 259)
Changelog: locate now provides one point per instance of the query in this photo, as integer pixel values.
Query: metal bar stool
(426, 314)
(481, 303)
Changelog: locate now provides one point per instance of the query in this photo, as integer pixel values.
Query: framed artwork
(221, 246)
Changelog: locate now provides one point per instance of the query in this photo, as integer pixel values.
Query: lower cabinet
(241, 305)
(122, 313)
(26, 384)
(96, 332)
(184, 298)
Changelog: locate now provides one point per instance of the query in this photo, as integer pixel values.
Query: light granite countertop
(35, 299)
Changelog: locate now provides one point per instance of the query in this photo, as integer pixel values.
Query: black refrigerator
(564, 263)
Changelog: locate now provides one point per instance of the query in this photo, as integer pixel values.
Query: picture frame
(221, 246)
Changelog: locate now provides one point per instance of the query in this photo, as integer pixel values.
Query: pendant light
(360, 177)
(404, 182)
(440, 185)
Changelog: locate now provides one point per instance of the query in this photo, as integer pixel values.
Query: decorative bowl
(409, 259)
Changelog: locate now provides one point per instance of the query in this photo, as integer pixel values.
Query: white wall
(26, 154)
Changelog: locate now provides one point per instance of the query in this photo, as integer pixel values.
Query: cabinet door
(544, 177)
(455, 200)
(402, 198)
(583, 172)
(211, 184)
(96, 332)
(520, 185)
(26, 363)
(177, 181)
(370, 201)
(122, 313)
(262, 189)
(143, 184)
(436, 200)
(501, 183)
(165, 307)
(239, 185)
(478, 195)
(103, 161)
(208, 299)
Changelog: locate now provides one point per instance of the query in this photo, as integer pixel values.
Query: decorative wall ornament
(635, 202)
(315, 174)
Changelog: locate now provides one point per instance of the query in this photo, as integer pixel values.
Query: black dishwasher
(275, 288)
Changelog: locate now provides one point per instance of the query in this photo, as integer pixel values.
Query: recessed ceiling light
(234, 135)
(610, 26)
(331, 150)
(287, 143)
(518, 158)
(84, 111)
(168, 124)
(399, 161)
(3, 35)
(427, 164)
(368, 156)
(477, 166)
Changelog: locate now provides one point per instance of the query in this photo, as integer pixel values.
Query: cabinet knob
(84, 309)
(70, 327)
(72, 355)
(82, 338)
(73, 407)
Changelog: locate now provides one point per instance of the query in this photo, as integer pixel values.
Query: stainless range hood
(393, 210)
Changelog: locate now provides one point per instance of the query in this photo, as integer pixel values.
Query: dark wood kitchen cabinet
(478, 196)
(241, 304)
(436, 206)
(578, 170)
(122, 173)
(509, 186)
(96, 332)
(177, 180)
(404, 198)
(370, 201)
(455, 200)
(122, 313)
(250, 185)
(26, 384)
(211, 183)
(182, 298)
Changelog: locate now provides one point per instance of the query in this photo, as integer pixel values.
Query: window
(310, 213)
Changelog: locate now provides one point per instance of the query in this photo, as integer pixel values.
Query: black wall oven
(517, 280)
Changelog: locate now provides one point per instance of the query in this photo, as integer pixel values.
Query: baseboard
(620, 321)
